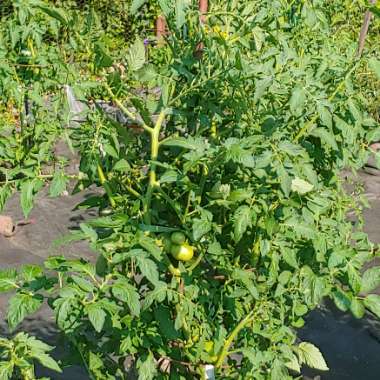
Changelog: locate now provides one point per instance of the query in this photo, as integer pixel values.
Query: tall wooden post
(161, 30)
(203, 8)
(161, 26)
(364, 30)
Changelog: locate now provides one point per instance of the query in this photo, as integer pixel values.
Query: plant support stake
(364, 29)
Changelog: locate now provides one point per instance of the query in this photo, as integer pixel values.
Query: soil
(351, 347)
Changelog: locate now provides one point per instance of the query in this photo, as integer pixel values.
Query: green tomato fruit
(178, 238)
(183, 252)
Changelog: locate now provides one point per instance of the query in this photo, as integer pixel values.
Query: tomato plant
(231, 165)
(19, 353)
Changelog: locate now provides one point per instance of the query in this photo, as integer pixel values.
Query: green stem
(196, 263)
(202, 182)
(84, 361)
(155, 144)
(105, 184)
(232, 337)
(130, 114)
(187, 208)
(40, 176)
(171, 203)
(133, 191)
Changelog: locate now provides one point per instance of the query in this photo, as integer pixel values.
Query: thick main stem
(232, 337)
(155, 144)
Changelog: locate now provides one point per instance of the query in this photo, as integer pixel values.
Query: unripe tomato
(183, 252)
(178, 238)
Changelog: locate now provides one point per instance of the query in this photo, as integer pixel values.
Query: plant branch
(133, 191)
(171, 203)
(232, 337)
(130, 114)
(155, 144)
(106, 186)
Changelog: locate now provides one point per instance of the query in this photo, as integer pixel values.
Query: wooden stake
(203, 8)
(364, 30)
(161, 30)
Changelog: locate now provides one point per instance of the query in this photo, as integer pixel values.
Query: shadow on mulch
(350, 346)
(39, 327)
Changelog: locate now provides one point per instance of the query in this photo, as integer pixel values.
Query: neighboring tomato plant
(19, 354)
(232, 165)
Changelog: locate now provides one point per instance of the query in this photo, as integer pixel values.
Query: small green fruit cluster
(178, 247)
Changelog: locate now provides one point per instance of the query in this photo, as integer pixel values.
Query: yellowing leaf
(293, 364)
(136, 55)
(372, 302)
(301, 186)
(311, 356)
(370, 280)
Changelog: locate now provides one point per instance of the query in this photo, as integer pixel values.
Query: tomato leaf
(357, 308)
(48, 362)
(242, 220)
(297, 100)
(8, 280)
(146, 366)
(96, 315)
(203, 225)
(20, 306)
(372, 303)
(136, 55)
(58, 184)
(127, 293)
(311, 356)
(53, 12)
(136, 5)
(370, 279)
(27, 195)
(326, 137)
(6, 370)
(301, 186)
